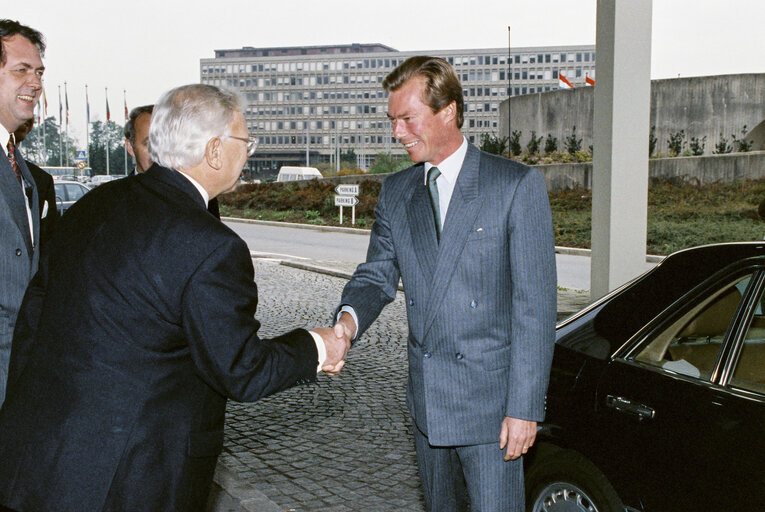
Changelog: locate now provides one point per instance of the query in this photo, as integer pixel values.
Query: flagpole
(66, 132)
(106, 95)
(509, 83)
(60, 153)
(87, 126)
(124, 145)
(44, 113)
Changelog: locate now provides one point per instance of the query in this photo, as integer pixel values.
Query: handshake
(337, 342)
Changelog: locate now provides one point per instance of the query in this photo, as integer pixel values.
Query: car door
(681, 406)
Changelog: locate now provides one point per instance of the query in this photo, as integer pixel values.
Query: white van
(290, 173)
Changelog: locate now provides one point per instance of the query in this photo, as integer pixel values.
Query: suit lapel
(14, 196)
(34, 200)
(463, 210)
(422, 225)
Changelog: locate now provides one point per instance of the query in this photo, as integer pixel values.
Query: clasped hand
(337, 341)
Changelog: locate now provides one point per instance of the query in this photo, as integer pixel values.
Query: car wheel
(564, 481)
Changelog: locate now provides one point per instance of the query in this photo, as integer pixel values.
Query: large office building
(310, 104)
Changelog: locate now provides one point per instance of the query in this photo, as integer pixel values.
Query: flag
(108, 114)
(126, 109)
(87, 104)
(563, 82)
(60, 108)
(45, 104)
(66, 100)
(588, 80)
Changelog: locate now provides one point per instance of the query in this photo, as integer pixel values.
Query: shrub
(697, 145)
(551, 144)
(572, 143)
(722, 147)
(676, 142)
(514, 143)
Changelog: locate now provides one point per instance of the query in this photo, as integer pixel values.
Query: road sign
(346, 201)
(81, 157)
(347, 190)
(81, 165)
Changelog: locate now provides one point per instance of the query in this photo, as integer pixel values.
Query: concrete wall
(694, 169)
(702, 106)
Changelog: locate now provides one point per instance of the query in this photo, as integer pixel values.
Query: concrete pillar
(621, 131)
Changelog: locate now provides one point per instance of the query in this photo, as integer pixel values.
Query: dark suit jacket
(45, 192)
(18, 257)
(134, 332)
(481, 304)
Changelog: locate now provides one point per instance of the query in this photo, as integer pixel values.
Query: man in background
(137, 143)
(21, 71)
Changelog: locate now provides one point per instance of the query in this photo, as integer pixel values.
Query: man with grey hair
(138, 327)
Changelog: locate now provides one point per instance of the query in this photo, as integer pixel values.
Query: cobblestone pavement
(343, 444)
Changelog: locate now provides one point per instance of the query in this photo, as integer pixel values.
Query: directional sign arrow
(347, 190)
(346, 201)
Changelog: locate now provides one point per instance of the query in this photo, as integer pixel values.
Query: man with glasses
(21, 71)
(138, 327)
(137, 143)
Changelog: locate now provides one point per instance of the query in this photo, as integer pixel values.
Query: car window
(691, 343)
(749, 372)
(75, 191)
(60, 191)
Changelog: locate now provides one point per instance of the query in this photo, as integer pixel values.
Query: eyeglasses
(252, 143)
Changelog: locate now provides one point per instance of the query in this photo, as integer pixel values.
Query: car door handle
(621, 404)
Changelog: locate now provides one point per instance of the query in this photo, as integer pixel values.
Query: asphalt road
(349, 249)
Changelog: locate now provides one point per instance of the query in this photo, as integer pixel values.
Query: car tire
(563, 480)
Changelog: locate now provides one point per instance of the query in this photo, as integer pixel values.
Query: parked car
(657, 393)
(100, 179)
(67, 193)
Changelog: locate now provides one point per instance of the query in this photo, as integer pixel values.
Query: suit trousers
(493, 484)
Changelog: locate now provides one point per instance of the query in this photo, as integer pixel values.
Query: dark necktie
(433, 175)
(12, 159)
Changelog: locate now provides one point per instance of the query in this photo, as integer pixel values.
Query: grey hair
(185, 119)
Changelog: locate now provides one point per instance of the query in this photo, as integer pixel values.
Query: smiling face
(20, 81)
(426, 136)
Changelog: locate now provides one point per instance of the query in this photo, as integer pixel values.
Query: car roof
(618, 316)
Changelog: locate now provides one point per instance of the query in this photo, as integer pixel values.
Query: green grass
(679, 215)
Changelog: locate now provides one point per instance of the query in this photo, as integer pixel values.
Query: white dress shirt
(450, 170)
(5, 136)
(320, 348)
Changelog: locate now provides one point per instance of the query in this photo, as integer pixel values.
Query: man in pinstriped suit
(472, 242)
(21, 71)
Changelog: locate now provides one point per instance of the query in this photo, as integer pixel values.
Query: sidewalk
(260, 456)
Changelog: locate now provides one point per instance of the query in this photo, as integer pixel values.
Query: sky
(147, 47)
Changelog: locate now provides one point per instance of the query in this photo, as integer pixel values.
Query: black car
(67, 193)
(657, 393)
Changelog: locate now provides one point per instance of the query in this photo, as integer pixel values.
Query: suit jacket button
(459, 356)
(411, 302)
(473, 304)
(18, 252)
(427, 355)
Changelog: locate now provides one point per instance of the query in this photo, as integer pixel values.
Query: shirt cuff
(350, 311)
(320, 349)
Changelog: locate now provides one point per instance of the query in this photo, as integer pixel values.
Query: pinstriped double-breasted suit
(481, 304)
(18, 257)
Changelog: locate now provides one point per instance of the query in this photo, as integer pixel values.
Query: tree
(722, 147)
(697, 145)
(676, 142)
(48, 152)
(101, 134)
(493, 144)
(572, 143)
(551, 144)
(652, 141)
(514, 143)
(532, 148)
(386, 162)
(742, 145)
(348, 157)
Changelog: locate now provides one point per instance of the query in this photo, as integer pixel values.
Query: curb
(229, 493)
(573, 251)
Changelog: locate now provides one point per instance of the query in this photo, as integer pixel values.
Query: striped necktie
(433, 175)
(12, 159)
